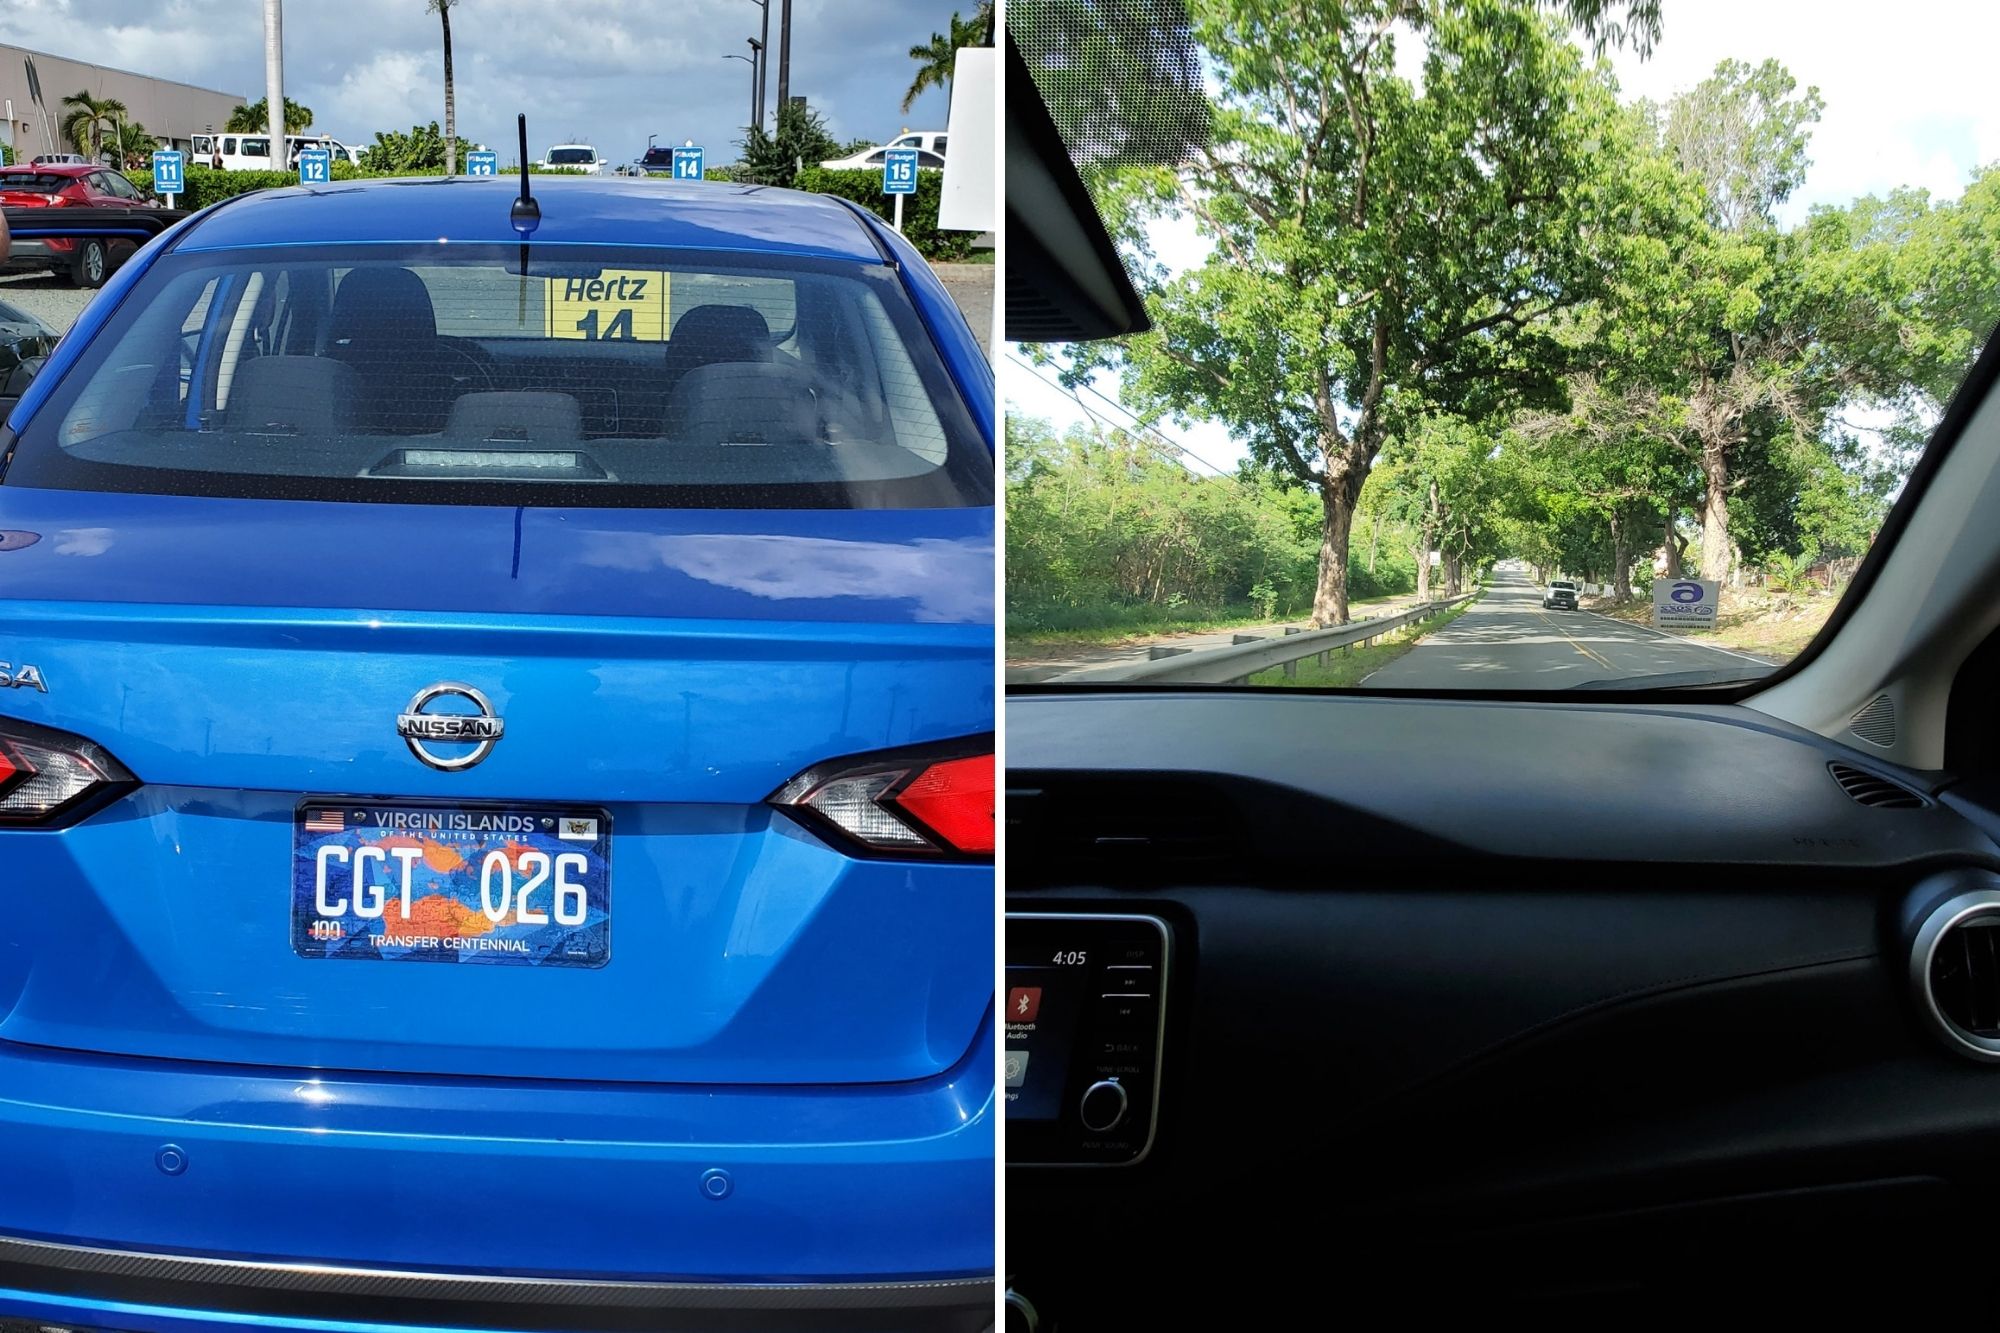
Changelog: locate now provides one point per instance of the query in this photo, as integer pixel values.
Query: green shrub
(920, 210)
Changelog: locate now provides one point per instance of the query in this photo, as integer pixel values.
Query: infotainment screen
(1041, 1006)
(1083, 1008)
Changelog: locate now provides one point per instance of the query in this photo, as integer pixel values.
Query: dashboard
(1592, 1001)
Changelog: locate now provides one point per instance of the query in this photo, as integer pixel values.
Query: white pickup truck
(1559, 596)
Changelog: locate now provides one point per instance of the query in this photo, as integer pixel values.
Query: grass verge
(1349, 666)
(1766, 625)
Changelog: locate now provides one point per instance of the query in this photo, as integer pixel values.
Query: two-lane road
(1507, 642)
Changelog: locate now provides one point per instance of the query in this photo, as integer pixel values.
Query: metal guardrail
(1251, 654)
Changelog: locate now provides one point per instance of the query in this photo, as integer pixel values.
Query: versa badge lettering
(23, 677)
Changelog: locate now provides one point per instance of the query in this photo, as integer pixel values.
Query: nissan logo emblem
(478, 730)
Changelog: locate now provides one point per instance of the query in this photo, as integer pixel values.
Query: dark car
(655, 162)
(1561, 596)
(86, 260)
(24, 341)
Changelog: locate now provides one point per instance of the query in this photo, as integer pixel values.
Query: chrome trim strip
(394, 1284)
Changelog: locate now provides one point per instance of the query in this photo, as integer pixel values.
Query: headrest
(308, 395)
(515, 416)
(377, 306)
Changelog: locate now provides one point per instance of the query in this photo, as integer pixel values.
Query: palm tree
(87, 122)
(133, 146)
(254, 119)
(937, 58)
(442, 8)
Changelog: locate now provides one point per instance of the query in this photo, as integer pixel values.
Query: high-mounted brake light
(47, 777)
(934, 800)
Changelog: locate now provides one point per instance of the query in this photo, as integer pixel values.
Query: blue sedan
(496, 773)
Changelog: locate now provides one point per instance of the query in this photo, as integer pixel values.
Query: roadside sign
(899, 171)
(688, 163)
(1685, 604)
(482, 163)
(315, 166)
(169, 172)
(618, 305)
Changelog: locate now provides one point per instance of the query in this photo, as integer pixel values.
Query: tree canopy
(1467, 292)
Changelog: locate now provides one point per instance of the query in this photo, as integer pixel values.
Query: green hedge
(205, 186)
(920, 210)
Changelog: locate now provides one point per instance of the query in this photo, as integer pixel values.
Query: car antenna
(526, 214)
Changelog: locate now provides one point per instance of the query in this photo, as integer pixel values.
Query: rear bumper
(166, 1293)
(162, 1195)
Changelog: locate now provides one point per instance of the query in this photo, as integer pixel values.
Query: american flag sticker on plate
(326, 821)
(577, 830)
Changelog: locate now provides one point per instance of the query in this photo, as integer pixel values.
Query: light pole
(763, 59)
(274, 78)
(751, 61)
(784, 55)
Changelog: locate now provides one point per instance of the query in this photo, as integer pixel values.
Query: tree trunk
(1374, 540)
(1451, 573)
(1715, 545)
(1671, 545)
(450, 101)
(1339, 488)
(1426, 534)
(1621, 559)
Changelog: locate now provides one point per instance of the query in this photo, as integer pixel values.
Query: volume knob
(1104, 1106)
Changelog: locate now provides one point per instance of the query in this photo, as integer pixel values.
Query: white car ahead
(872, 159)
(578, 157)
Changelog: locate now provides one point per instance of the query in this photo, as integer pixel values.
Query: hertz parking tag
(619, 304)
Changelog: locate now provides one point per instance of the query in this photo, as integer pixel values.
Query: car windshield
(571, 156)
(1604, 299)
(34, 182)
(613, 377)
(659, 157)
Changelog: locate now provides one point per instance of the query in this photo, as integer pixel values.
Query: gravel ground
(49, 299)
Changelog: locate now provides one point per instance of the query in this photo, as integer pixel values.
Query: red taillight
(928, 801)
(954, 799)
(48, 776)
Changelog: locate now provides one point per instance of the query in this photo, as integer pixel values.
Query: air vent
(1965, 976)
(1955, 965)
(1876, 722)
(1873, 790)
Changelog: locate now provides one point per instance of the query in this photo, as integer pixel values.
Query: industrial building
(170, 111)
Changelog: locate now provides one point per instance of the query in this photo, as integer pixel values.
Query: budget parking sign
(899, 171)
(169, 172)
(315, 166)
(688, 163)
(483, 163)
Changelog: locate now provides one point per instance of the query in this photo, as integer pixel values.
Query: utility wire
(1175, 451)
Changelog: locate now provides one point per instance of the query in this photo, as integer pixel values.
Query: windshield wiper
(1678, 680)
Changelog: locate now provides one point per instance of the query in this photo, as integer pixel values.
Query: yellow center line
(1595, 657)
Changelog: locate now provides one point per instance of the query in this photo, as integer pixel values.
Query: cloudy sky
(1909, 101)
(606, 72)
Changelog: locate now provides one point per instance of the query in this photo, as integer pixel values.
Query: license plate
(520, 886)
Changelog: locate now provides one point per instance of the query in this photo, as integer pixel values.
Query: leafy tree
(801, 140)
(90, 122)
(1743, 135)
(442, 8)
(255, 118)
(938, 58)
(1382, 245)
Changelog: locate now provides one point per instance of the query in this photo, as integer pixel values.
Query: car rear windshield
(39, 182)
(568, 156)
(448, 375)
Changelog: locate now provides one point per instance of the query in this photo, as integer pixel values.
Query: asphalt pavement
(1507, 642)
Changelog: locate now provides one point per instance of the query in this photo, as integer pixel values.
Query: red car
(86, 259)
